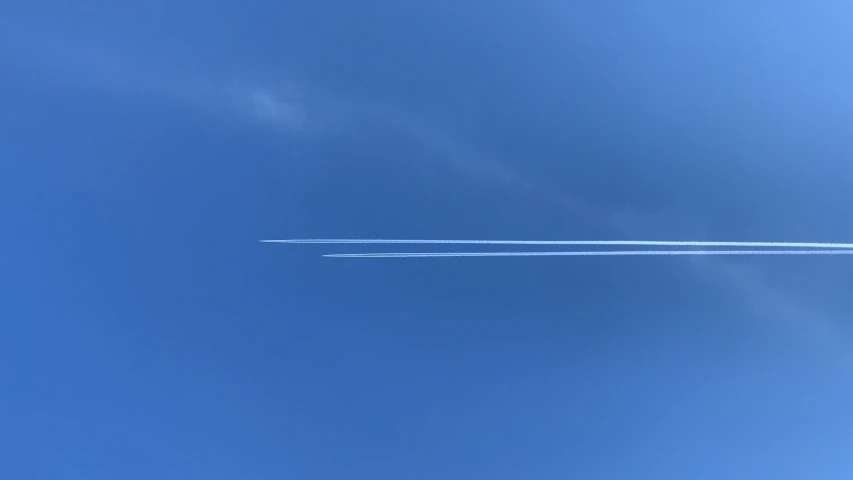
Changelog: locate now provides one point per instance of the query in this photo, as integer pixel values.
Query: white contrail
(613, 253)
(625, 243)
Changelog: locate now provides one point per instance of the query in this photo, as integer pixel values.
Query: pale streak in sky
(594, 253)
(646, 243)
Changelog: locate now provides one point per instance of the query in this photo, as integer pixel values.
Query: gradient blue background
(145, 333)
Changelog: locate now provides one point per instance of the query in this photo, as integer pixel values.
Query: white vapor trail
(611, 253)
(625, 243)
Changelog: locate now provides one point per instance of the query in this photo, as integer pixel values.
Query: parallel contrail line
(344, 241)
(614, 253)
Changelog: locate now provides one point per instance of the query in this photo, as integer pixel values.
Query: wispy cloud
(284, 106)
(267, 107)
(783, 308)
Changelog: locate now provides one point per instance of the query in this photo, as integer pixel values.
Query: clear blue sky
(145, 147)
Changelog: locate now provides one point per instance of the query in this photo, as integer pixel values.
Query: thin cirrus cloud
(287, 107)
(66, 59)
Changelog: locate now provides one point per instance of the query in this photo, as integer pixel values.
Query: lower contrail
(611, 253)
(624, 243)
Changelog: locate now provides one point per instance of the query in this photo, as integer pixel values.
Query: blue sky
(147, 146)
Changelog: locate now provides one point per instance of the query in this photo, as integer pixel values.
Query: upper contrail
(586, 253)
(647, 243)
